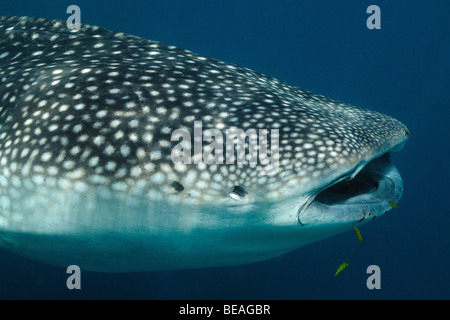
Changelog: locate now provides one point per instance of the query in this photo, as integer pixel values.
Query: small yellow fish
(342, 267)
(393, 204)
(358, 235)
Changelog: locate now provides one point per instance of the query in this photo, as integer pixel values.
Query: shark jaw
(351, 200)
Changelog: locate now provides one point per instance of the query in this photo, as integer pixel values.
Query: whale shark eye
(178, 187)
(237, 193)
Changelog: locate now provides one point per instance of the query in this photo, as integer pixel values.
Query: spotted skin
(92, 113)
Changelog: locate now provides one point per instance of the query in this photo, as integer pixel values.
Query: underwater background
(402, 70)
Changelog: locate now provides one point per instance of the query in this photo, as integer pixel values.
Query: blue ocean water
(323, 46)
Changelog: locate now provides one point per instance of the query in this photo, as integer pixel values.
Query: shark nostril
(237, 193)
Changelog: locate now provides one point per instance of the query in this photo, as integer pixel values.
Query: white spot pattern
(101, 112)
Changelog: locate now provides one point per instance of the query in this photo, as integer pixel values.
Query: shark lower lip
(365, 196)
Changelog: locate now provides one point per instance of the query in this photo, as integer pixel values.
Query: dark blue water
(323, 46)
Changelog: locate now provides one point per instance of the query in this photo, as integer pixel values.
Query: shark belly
(116, 234)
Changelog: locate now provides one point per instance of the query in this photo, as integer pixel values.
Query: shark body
(87, 175)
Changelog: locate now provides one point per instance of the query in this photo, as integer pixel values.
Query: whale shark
(88, 177)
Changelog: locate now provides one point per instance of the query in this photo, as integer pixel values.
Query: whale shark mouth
(349, 200)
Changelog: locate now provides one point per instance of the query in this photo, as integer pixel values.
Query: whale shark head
(123, 154)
